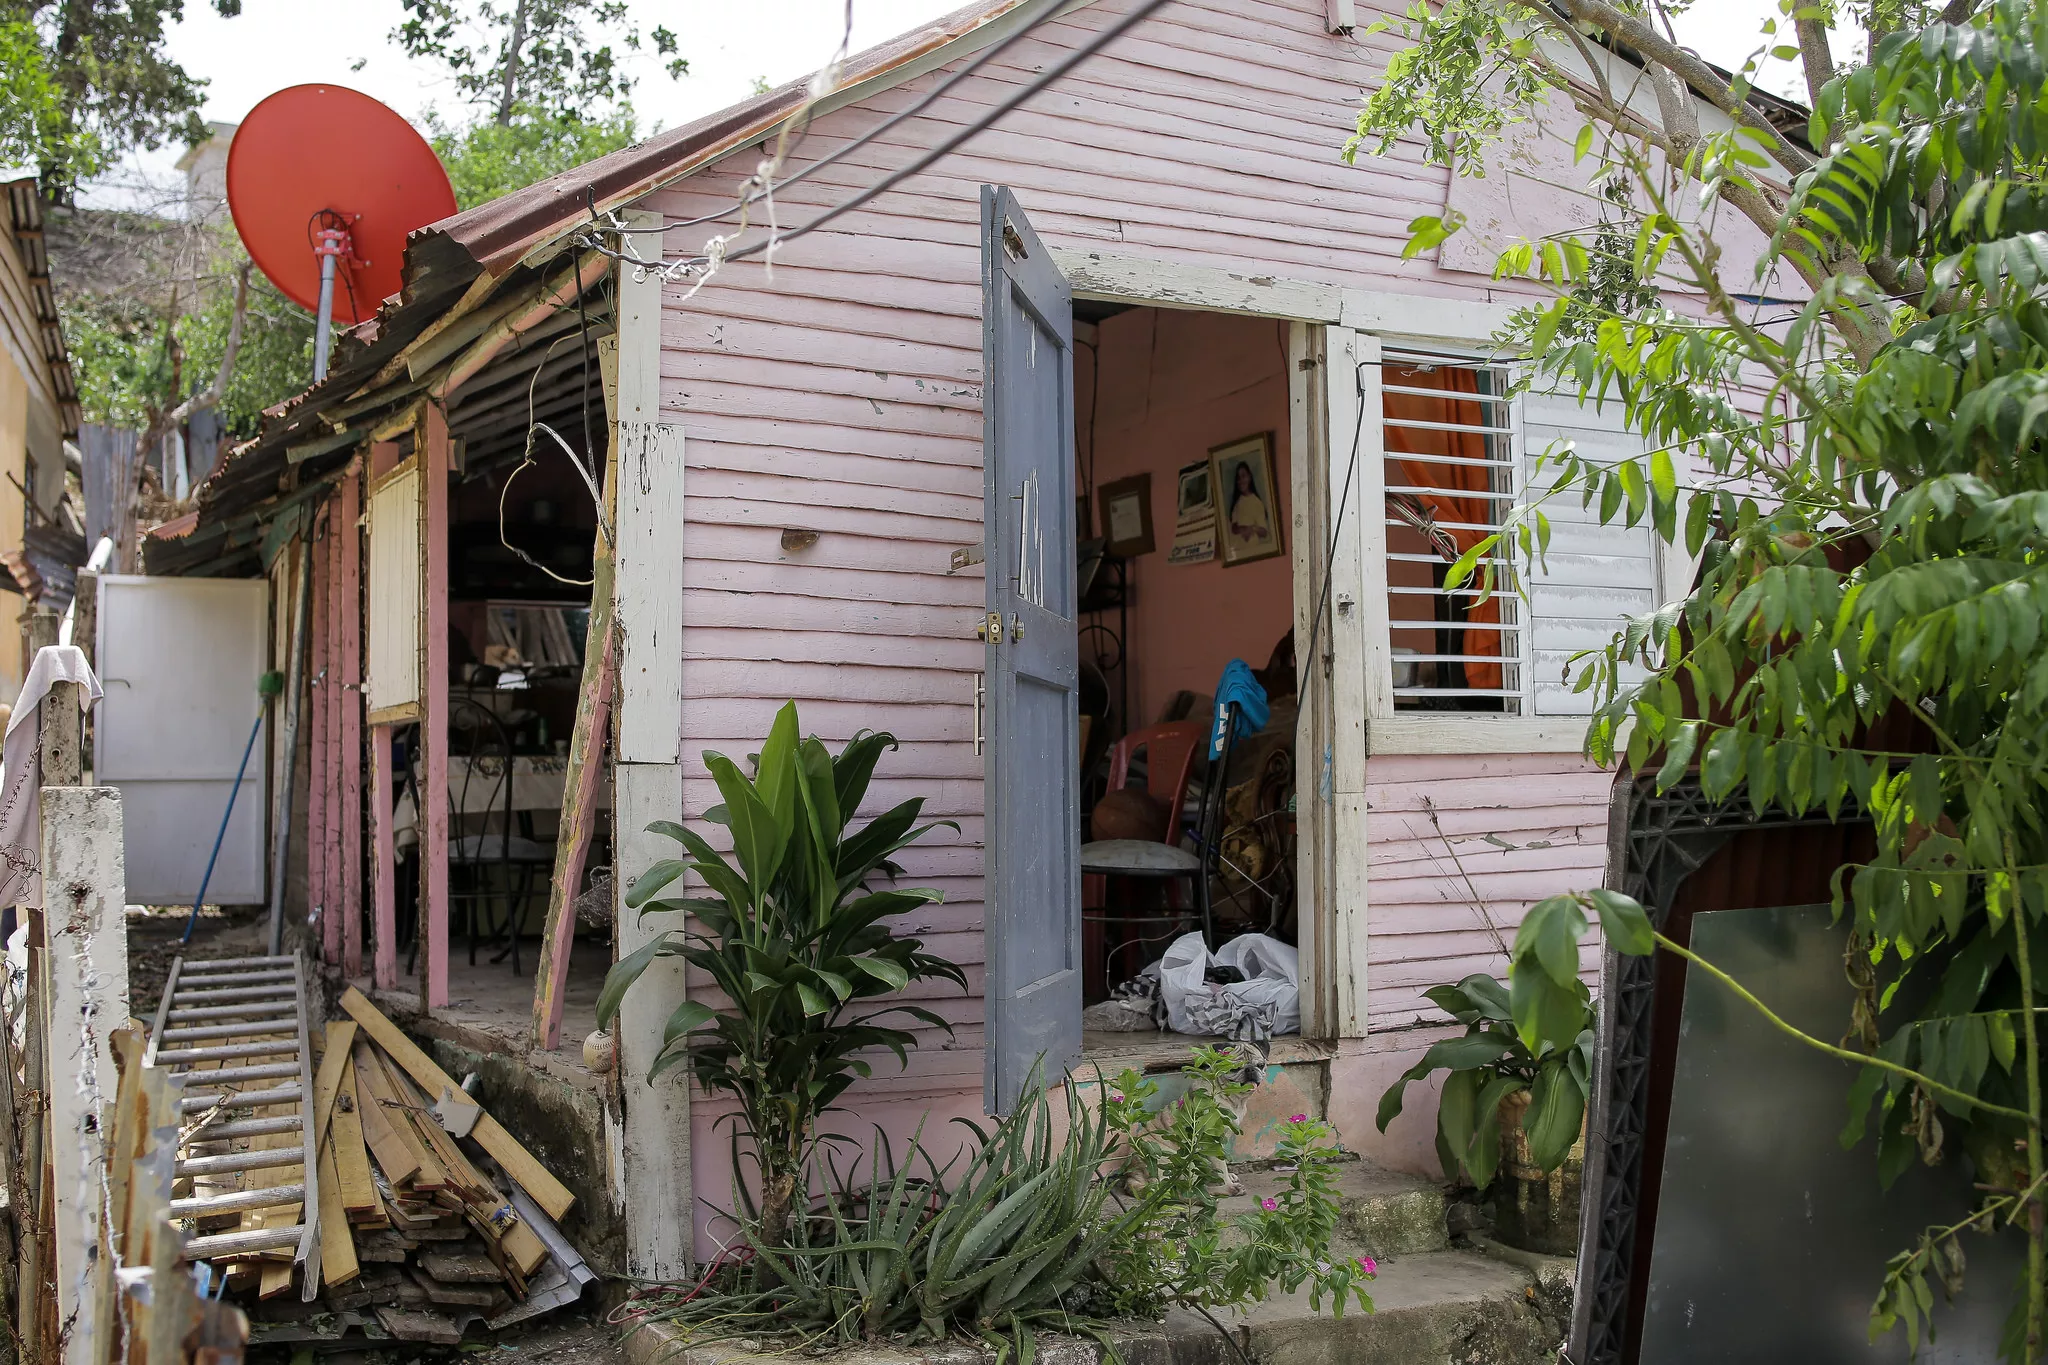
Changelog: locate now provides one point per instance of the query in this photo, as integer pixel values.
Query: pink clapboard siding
(841, 394)
(1508, 831)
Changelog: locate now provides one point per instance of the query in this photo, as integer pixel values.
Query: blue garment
(1238, 687)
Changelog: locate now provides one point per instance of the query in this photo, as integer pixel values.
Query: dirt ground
(566, 1339)
(153, 934)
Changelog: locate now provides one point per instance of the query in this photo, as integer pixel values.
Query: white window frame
(1391, 730)
(1521, 695)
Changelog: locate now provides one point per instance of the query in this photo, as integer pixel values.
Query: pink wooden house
(1135, 383)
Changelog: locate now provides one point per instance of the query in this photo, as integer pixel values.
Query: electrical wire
(1336, 531)
(1046, 10)
(718, 253)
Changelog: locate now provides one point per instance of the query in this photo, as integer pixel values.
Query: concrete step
(1385, 1214)
(1438, 1306)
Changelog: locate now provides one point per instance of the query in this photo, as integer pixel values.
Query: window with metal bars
(1451, 476)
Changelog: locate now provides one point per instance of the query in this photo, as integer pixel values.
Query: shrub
(794, 937)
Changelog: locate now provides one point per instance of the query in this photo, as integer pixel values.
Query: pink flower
(1117, 1096)
(1269, 1204)
(1299, 1118)
(1368, 1265)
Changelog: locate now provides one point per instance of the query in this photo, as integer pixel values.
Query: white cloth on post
(21, 770)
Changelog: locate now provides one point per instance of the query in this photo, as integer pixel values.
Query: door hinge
(966, 557)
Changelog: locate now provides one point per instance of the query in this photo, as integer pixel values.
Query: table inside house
(476, 786)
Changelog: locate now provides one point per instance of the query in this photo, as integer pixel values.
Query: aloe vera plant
(1008, 1249)
(793, 931)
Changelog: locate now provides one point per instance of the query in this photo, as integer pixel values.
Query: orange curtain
(1446, 505)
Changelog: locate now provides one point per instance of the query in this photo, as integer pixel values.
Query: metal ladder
(247, 1014)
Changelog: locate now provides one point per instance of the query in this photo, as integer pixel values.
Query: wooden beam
(349, 697)
(580, 786)
(433, 814)
(383, 862)
(647, 778)
(518, 1163)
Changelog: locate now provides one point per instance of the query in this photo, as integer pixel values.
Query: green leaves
(796, 950)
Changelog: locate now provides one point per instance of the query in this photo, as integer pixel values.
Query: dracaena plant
(1490, 1064)
(792, 927)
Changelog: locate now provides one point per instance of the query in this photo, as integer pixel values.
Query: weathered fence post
(84, 900)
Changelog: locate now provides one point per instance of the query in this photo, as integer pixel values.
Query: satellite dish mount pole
(332, 245)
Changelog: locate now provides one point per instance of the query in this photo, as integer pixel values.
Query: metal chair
(489, 767)
(1169, 763)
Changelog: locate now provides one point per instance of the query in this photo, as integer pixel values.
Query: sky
(277, 43)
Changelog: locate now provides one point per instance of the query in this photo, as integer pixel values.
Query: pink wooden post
(383, 861)
(434, 646)
(318, 891)
(349, 700)
(332, 699)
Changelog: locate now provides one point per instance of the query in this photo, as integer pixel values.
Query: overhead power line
(703, 265)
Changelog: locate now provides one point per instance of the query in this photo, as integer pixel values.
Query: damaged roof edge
(459, 260)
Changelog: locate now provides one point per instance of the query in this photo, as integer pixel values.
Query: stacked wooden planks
(413, 1228)
(417, 1208)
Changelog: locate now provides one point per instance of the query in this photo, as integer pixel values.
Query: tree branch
(1653, 47)
(212, 393)
(1815, 56)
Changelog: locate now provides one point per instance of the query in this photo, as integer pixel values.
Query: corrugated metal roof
(446, 262)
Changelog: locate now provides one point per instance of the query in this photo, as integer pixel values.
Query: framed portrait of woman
(1247, 506)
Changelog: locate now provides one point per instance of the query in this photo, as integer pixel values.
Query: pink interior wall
(1173, 384)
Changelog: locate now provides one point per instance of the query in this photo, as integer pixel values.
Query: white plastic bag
(1267, 1002)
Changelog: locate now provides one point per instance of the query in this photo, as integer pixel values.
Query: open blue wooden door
(1033, 842)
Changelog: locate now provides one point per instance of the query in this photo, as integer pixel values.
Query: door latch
(990, 628)
(1016, 625)
(980, 709)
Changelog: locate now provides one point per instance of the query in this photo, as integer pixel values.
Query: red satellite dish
(323, 157)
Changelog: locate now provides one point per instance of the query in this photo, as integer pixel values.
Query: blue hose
(193, 919)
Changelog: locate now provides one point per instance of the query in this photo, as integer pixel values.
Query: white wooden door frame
(1323, 425)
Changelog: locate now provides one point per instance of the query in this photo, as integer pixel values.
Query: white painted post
(84, 899)
(1358, 645)
(647, 779)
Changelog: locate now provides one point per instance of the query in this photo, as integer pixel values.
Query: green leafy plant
(794, 937)
(1006, 1250)
(1490, 1064)
(1033, 1235)
(1183, 1250)
(1862, 472)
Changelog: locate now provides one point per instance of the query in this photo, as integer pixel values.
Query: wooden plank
(358, 1192)
(374, 1085)
(338, 1264)
(88, 966)
(383, 862)
(350, 697)
(489, 1134)
(334, 1064)
(395, 1157)
(433, 816)
(127, 1043)
(580, 786)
